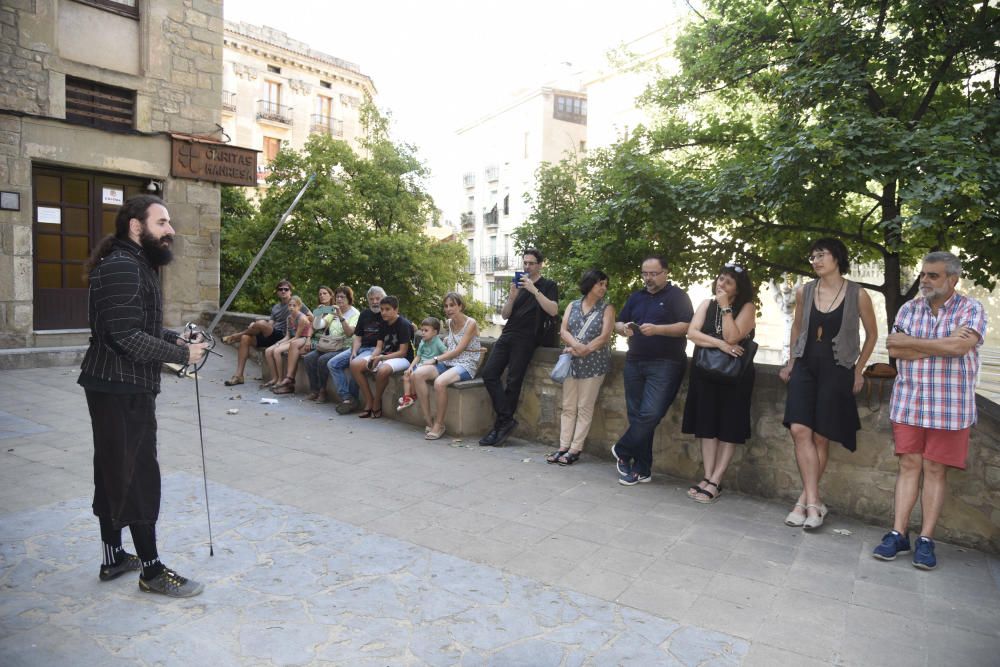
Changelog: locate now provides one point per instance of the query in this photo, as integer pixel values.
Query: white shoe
(813, 522)
(794, 519)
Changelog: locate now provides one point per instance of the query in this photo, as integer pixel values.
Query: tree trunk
(892, 236)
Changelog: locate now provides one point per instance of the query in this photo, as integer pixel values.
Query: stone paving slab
(291, 588)
(731, 569)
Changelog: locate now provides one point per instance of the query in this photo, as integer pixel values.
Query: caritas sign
(211, 161)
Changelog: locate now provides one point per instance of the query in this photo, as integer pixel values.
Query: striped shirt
(938, 392)
(128, 343)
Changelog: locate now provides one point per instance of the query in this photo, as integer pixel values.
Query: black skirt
(715, 410)
(821, 396)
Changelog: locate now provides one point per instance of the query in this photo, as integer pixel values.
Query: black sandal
(569, 458)
(367, 414)
(554, 456)
(709, 497)
(694, 488)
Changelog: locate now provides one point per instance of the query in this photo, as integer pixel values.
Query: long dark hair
(137, 207)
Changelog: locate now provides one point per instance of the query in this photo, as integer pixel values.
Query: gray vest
(847, 342)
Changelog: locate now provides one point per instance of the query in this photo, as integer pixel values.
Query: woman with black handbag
(717, 410)
(825, 371)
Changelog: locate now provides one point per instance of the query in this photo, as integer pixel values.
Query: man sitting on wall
(262, 333)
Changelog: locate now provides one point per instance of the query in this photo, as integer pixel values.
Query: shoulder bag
(564, 365)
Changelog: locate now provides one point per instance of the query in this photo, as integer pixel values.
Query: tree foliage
(873, 122)
(360, 224)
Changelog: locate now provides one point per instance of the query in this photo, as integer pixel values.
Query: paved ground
(351, 542)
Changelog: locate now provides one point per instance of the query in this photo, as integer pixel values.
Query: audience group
(934, 340)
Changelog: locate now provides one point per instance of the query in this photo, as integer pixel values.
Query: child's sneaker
(405, 402)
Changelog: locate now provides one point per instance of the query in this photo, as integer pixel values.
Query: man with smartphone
(531, 303)
(655, 320)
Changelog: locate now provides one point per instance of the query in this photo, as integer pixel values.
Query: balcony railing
(326, 125)
(492, 173)
(491, 218)
(468, 220)
(498, 295)
(228, 101)
(470, 268)
(469, 180)
(276, 113)
(494, 263)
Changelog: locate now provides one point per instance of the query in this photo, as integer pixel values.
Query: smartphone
(517, 277)
(634, 327)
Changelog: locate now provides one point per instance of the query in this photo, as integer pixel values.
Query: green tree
(873, 122)
(360, 223)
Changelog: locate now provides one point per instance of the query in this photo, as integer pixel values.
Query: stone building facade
(500, 154)
(91, 93)
(277, 91)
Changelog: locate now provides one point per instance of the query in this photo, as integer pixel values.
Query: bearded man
(121, 377)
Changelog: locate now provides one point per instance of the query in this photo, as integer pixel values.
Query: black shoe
(504, 431)
(489, 439)
(171, 584)
(128, 563)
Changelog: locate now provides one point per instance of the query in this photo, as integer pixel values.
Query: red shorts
(950, 448)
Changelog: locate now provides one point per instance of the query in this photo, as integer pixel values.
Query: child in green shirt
(430, 347)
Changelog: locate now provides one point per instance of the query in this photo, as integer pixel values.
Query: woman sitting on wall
(718, 413)
(338, 321)
(297, 332)
(586, 329)
(824, 371)
(460, 361)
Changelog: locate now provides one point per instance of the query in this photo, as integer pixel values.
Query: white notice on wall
(49, 215)
(112, 196)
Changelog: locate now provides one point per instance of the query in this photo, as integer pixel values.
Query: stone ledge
(41, 357)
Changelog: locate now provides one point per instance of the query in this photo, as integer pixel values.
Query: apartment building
(277, 91)
(101, 100)
(500, 153)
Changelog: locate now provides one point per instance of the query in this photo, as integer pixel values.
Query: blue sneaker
(893, 543)
(923, 555)
(631, 479)
(624, 467)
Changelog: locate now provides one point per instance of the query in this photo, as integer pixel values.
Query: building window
(274, 69)
(492, 173)
(97, 105)
(272, 91)
(127, 8)
(271, 148)
(572, 109)
(506, 204)
(469, 179)
(325, 84)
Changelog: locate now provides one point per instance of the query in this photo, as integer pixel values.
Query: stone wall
(175, 68)
(859, 484)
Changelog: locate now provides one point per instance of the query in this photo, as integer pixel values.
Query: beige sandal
(432, 435)
(233, 381)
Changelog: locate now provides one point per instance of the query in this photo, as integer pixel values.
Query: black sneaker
(128, 563)
(489, 439)
(504, 431)
(171, 584)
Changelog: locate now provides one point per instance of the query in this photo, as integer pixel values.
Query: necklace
(718, 320)
(819, 329)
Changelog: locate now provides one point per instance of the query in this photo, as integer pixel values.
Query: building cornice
(259, 41)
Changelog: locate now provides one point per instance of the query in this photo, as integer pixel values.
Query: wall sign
(209, 161)
(50, 215)
(113, 196)
(10, 201)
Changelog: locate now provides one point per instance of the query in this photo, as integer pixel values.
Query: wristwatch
(728, 310)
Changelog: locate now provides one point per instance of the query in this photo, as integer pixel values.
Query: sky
(439, 64)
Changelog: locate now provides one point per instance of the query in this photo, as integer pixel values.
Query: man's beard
(157, 250)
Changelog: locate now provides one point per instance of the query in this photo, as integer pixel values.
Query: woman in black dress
(719, 414)
(824, 371)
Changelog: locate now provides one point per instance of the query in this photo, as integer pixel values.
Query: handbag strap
(588, 321)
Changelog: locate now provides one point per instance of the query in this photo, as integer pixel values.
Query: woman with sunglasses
(824, 371)
(716, 413)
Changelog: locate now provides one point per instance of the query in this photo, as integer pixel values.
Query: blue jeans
(650, 388)
(317, 369)
(342, 380)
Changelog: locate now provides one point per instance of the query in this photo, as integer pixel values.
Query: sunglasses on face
(283, 289)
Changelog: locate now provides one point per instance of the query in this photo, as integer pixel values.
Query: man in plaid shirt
(935, 340)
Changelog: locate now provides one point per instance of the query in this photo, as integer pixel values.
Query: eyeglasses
(283, 289)
(650, 274)
(530, 263)
(735, 267)
(931, 276)
(816, 257)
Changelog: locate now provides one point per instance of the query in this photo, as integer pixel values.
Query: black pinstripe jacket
(127, 340)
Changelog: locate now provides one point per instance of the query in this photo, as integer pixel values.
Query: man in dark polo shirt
(529, 305)
(655, 321)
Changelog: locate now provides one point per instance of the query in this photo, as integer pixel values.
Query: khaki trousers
(579, 397)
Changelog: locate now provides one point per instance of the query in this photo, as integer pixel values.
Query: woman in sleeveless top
(586, 330)
(716, 413)
(824, 371)
(460, 361)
